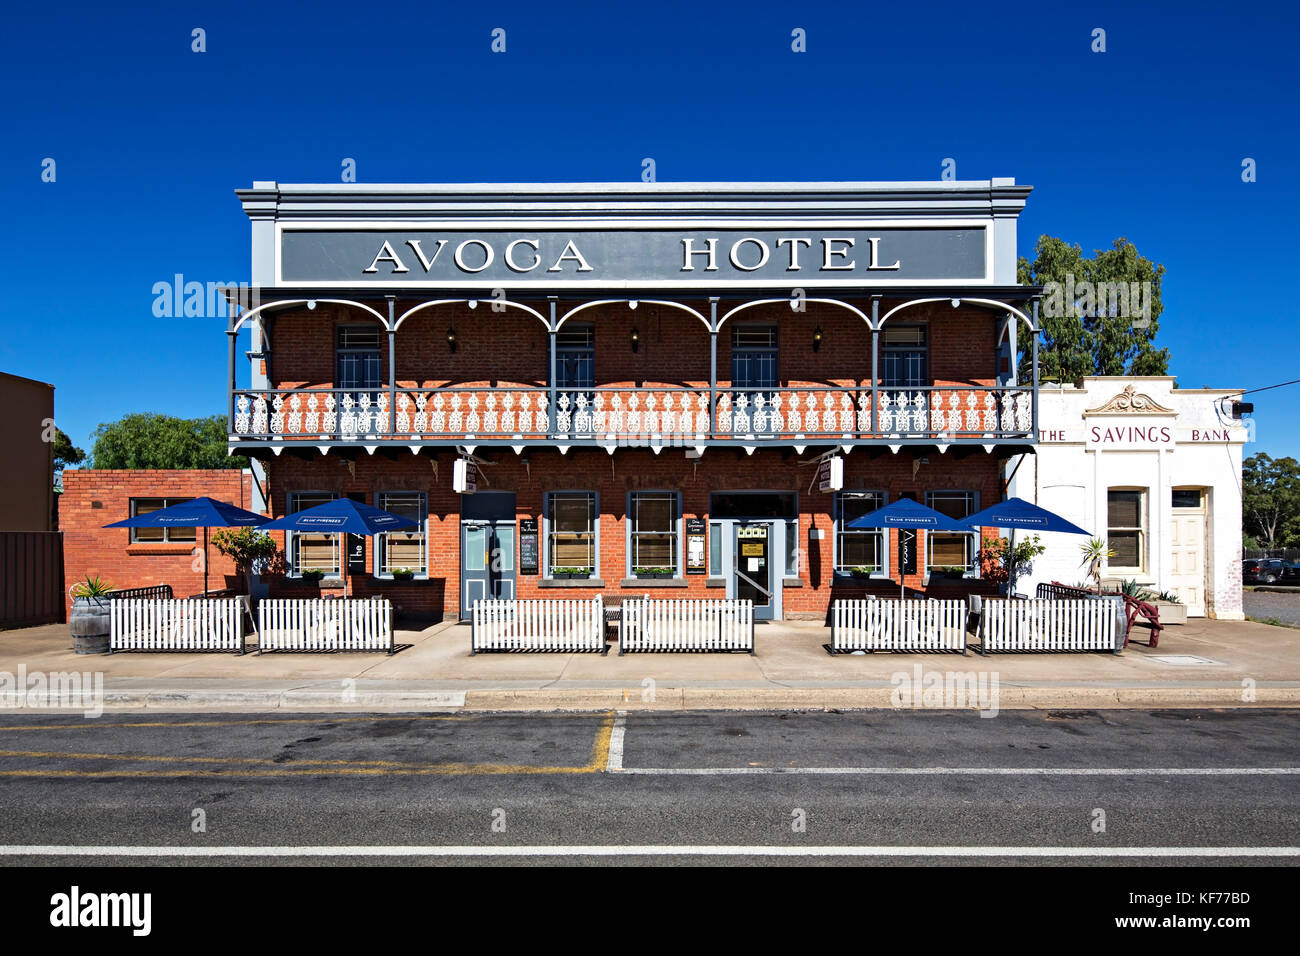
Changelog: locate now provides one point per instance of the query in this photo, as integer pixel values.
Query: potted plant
(1095, 554)
(653, 572)
(403, 575)
(1172, 610)
(860, 570)
(570, 573)
(312, 575)
(1003, 563)
(89, 620)
(252, 551)
(947, 572)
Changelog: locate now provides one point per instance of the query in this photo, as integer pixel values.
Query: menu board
(695, 550)
(528, 546)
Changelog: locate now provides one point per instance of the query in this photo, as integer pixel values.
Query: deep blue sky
(1144, 141)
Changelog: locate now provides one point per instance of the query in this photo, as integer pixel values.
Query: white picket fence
(538, 625)
(1049, 625)
(325, 624)
(176, 624)
(894, 624)
(687, 625)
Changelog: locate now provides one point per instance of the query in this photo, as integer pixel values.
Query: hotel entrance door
(752, 566)
(487, 548)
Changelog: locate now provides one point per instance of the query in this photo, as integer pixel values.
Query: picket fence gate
(176, 624)
(687, 625)
(325, 624)
(895, 624)
(1049, 625)
(538, 624)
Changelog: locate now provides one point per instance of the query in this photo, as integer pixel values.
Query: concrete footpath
(1200, 664)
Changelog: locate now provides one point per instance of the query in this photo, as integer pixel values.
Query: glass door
(752, 566)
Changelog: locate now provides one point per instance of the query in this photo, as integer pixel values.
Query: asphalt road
(1262, 605)
(876, 787)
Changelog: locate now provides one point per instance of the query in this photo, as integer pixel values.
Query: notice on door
(750, 549)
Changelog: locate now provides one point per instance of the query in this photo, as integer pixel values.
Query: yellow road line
(297, 768)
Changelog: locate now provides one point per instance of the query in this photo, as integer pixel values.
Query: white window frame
(381, 538)
(1144, 498)
(837, 567)
(546, 529)
(973, 566)
(166, 531)
(678, 555)
(290, 536)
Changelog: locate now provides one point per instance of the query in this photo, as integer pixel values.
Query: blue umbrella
(342, 515)
(1017, 513)
(909, 514)
(202, 513)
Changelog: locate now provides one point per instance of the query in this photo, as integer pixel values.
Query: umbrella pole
(205, 561)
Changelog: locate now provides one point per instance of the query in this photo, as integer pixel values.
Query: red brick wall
(612, 477)
(94, 498)
(510, 348)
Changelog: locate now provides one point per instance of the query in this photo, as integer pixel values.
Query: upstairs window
(575, 357)
(358, 358)
(904, 356)
(754, 357)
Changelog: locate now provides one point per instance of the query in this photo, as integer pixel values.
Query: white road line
(615, 762)
(971, 771)
(651, 850)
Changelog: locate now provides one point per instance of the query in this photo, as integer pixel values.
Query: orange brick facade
(93, 498)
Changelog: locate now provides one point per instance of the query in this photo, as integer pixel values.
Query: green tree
(1270, 499)
(65, 454)
(146, 440)
(1099, 315)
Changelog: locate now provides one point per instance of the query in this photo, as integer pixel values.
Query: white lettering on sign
(747, 254)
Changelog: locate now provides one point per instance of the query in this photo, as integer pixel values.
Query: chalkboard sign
(528, 546)
(695, 550)
(907, 551)
(356, 553)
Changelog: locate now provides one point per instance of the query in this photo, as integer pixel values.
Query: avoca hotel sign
(764, 256)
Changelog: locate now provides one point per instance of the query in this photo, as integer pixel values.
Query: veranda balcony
(617, 415)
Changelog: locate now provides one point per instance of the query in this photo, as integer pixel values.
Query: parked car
(1266, 571)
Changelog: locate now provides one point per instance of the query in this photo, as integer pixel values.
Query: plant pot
(571, 575)
(1171, 612)
(654, 574)
(89, 625)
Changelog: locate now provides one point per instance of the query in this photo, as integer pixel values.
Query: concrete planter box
(1171, 613)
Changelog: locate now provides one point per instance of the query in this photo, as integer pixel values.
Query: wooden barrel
(89, 624)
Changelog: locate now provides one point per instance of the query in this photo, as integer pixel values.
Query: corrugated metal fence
(31, 578)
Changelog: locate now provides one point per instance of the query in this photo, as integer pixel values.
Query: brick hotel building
(677, 389)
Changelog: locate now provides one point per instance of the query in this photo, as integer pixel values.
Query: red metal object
(1133, 609)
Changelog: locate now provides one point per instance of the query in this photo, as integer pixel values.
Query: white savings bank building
(1154, 470)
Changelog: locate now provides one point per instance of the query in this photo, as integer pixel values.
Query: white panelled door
(1187, 551)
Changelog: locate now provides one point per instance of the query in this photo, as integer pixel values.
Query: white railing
(893, 624)
(687, 625)
(538, 625)
(325, 624)
(177, 624)
(1045, 625)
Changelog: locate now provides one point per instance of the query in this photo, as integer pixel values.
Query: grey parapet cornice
(812, 201)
